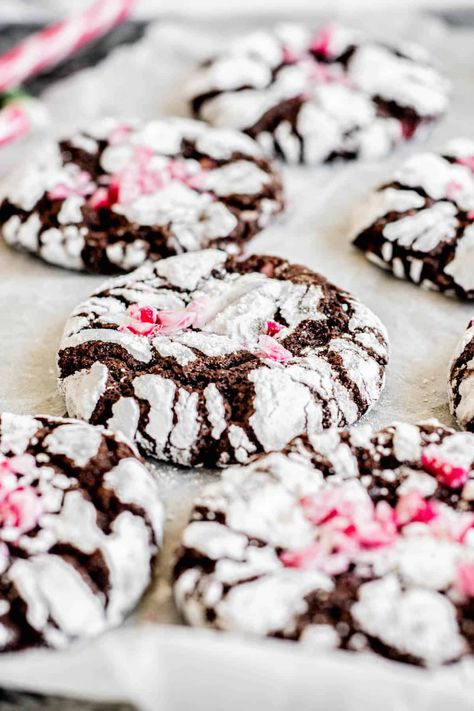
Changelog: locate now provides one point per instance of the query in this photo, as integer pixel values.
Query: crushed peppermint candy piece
(119, 134)
(100, 198)
(145, 175)
(20, 510)
(147, 321)
(289, 55)
(467, 161)
(321, 42)
(345, 527)
(321, 73)
(447, 473)
(316, 557)
(412, 507)
(80, 183)
(273, 328)
(466, 579)
(18, 464)
(270, 348)
(20, 505)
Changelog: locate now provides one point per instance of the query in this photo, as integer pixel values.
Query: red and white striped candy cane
(55, 43)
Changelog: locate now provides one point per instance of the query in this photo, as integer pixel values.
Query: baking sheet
(424, 327)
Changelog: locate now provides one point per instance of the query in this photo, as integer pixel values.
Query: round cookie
(204, 359)
(294, 545)
(80, 523)
(315, 97)
(461, 380)
(420, 225)
(119, 193)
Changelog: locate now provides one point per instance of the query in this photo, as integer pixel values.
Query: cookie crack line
(205, 359)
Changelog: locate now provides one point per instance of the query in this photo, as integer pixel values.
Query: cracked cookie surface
(316, 97)
(120, 193)
(80, 525)
(355, 539)
(420, 225)
(204, 359)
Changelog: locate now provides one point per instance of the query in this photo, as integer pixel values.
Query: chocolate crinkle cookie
(461, 380)
(358, 539)
(204, 359)
(315, 97)
(80, 524)
(120, 193)
(420, 225)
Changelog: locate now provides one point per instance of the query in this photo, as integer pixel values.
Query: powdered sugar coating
(183, 348)
(312, 97)
(306, 545)
(85, 561)
(419, 225)
(461, 380)
(119, 193)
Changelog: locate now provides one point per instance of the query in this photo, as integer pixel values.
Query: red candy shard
(347, 526)
(466, 579)
(144, 314)
(101, 198)
(273, 328)
(270, 348)
(413, 508)
(289, 55)
(81, 184)
(321, 42)
(147, 321)
(448, 474)
(20, 506)
(467, 161)
(143, 176)
(315, 557)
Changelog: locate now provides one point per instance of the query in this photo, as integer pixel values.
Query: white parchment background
(179, 668)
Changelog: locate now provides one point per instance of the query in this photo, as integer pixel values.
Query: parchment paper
(179, 667)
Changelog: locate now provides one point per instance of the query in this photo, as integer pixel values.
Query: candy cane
(55, 43)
